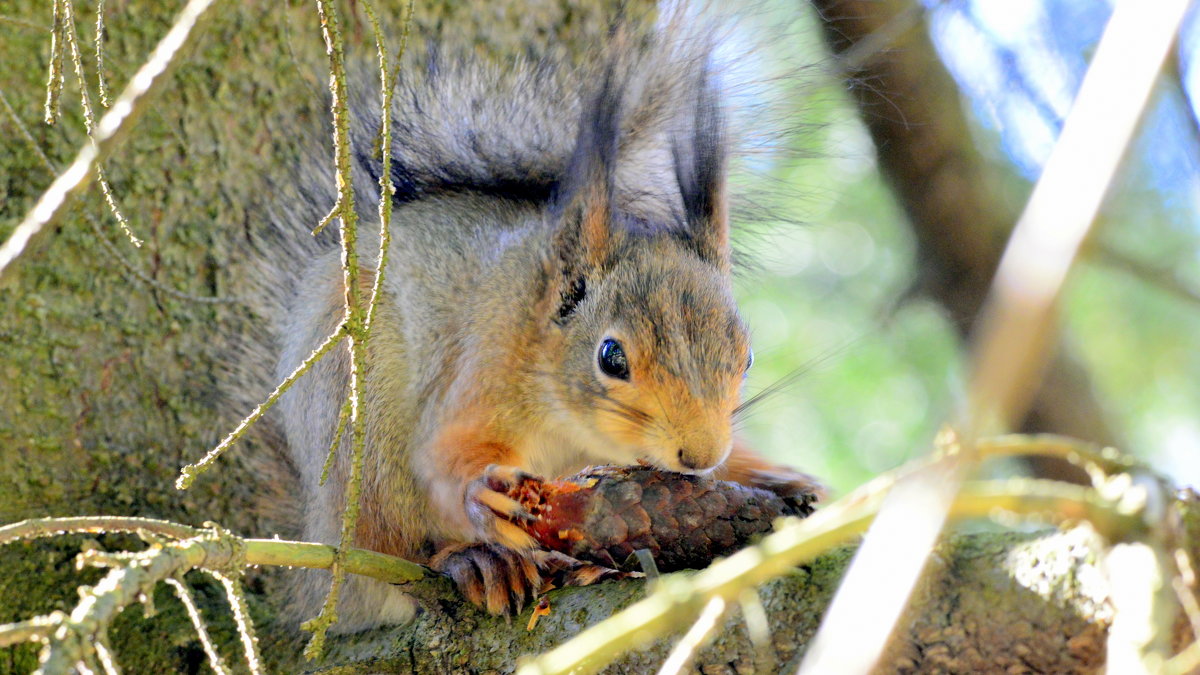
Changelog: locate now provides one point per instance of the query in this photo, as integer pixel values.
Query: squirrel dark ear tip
(584, 203)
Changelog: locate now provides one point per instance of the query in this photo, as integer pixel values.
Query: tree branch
(110, 131)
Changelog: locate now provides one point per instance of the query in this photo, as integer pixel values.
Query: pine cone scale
(604, 514)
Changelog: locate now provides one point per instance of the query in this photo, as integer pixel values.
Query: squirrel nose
(686, 459)
(692, 460)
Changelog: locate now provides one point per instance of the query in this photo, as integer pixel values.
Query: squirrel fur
(543, 211)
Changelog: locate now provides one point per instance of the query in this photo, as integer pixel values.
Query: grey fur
(482, 156)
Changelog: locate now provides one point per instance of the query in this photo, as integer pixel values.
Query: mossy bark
(108, 386)
(994, 602)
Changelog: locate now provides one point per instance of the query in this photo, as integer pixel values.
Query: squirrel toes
(558, 294)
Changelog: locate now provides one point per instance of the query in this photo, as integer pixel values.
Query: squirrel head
(652, 351)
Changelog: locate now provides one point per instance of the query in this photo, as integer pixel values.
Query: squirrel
(558, 295)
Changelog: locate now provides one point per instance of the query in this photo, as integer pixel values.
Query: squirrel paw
(787, 483)
(493, 577)
(490, 509)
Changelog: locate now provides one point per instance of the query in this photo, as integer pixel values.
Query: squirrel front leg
(490, 559)
(469, 472)
(747, 467)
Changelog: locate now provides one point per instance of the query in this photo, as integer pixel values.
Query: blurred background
(871, 291)
(910, 134)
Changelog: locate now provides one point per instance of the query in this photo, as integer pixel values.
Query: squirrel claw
(490, 509)
(490, 576)
(500, 477)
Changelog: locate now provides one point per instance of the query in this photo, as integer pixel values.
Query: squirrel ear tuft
(585, 199)
(700, 169)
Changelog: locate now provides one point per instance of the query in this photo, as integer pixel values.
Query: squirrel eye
(611, 358)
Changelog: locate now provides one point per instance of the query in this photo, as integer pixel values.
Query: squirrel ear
(700, 169)
(585, 199)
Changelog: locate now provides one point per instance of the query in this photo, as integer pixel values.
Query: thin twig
(355, 317)
(1184, 587)
(276, 552)
(1148, 274)
(37, 629)
(758, 628)
(130, 269)
(189, 604)
(56, 78)
(797, 541)
(379, 566)
(385, 141)
(79, 640)
(1016, 332)
(189, 472)
(22, 23)
(343, 417)
(34, 528)
(89, 119)
(110, 132)
(287, 41)
(385, 200)
(1087, 456)
(105, 657)
(137, 274)
(74, 639)
(241, 618)
(334, 212)
(691, 642)
(878, 42)
(24, 131)
(101, 86)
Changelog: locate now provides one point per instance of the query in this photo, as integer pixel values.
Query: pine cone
(604, 514)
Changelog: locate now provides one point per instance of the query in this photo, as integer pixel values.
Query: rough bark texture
(911, 107)
(106, 385)
(988, 603)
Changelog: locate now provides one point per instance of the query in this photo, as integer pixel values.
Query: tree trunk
(107, 384)
(983, 606)
(913, 111)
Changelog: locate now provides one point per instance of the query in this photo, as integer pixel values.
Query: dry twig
(80, 637)
(1016, 333)
(797, 541)
(110, 131)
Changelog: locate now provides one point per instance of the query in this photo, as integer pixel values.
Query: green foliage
(880, 372)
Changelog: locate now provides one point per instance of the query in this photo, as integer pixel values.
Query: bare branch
(80, 637)
(1016, 332)
(322, 556)
(36, 629)
(56, 78)
(189, 472)
(89, 118)
(110, 132)
(21, 23)
(797, 541)
(193, 612)
(100, 84)
(130, 268)
(241, 618)
(75, 638)
(51, 527)
(685, 650)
